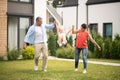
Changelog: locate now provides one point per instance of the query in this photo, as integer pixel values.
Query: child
(61, 35)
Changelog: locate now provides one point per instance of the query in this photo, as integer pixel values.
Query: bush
(70, 40)
(94, 52)
(13, 54)
(99, 54)
(52, 43)
(107, 48)
(90, 54)
(1, 58)
(65, 52)
(115, 49)
(28, 53)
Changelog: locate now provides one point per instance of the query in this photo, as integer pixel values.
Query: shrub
(115, 49)
(94, 52)
(1, 58)
(90, 54)
(28, 53)
(13, 54)
(65, 52)
(99, 54)
(52, 43)
(70, 40)
(107, 48)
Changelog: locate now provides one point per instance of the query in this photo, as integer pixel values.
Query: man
(37, 36)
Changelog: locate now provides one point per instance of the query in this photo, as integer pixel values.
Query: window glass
(24, 24)
(13, 0)
(93, 27)
(107, 30)
(25, 0)
(12, 32)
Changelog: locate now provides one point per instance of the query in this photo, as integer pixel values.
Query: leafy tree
(57, 2)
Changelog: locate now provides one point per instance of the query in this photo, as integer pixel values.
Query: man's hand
(55, 22)
(24, 45)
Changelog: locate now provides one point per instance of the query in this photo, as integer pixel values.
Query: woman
(81, 44)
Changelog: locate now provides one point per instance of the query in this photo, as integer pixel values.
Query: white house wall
(40, 9)
(82, 18)
(105, 13)
(69, 14)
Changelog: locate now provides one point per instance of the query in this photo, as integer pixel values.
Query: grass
(57, 70)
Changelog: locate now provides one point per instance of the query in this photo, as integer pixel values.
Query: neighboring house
(51, 12)
(101, 15)
(15, 18)
(20, 15)
(104, 17)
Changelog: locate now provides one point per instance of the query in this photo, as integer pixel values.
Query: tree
(57, 2)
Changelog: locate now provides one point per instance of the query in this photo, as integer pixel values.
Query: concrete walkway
(89, 61)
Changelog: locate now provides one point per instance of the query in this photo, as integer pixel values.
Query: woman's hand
(74, 31)
(99, 48)
(73, 26)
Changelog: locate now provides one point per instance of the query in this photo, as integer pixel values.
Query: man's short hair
(38, 18)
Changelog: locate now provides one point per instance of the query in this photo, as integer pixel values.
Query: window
(93, 27)
(23, 26)
(12, 32)
(25, 0)
(17, 27)
(107, 30)
(13, 0)
(21, 0)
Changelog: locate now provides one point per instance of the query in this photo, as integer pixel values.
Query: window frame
(104, 30)
(18, 30)
(90, 28)
(18, 1)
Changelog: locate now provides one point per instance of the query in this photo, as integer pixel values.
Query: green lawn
(57, 70)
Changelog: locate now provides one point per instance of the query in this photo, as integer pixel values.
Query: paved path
(93, 62)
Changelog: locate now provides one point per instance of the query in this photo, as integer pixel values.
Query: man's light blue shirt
(30, 36)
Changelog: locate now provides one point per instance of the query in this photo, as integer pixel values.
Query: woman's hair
(84, 26)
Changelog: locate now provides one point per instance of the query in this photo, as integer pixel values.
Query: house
(103, 16)
(15, 18)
